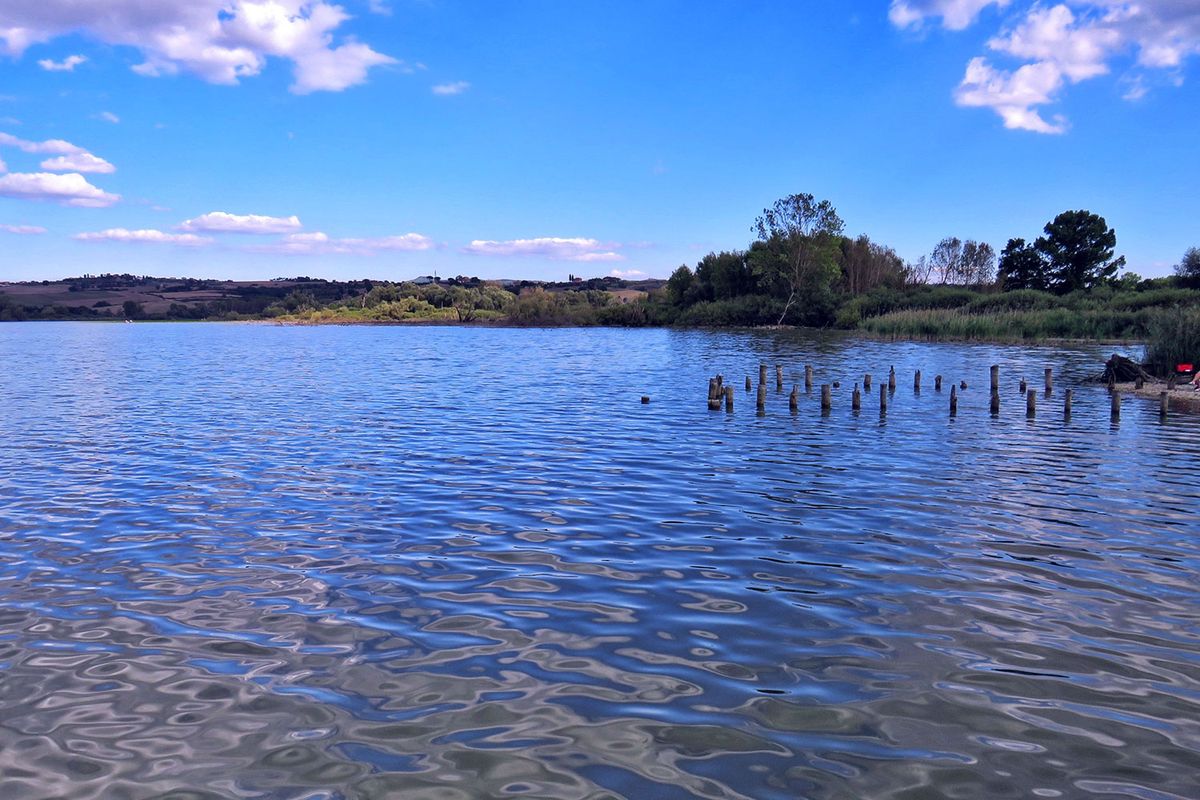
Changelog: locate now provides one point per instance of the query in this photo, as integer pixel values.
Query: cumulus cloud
(448, 89)
(221, 41)
(78, 162)
(144, 236)
(223, 222)
(70, 189)
(68, 64)
(1056, 46)
(318, 243)
(556, 248)
(23, 230)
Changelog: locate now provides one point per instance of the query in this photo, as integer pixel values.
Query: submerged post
(856, 399)
(937, 383)
(778, 378)
(1164, 400)
(808, 375)
(794, 398)
(995, 403)
(762, 374)
(953, 401)
(826, 398)
(749, 385)
(892, 379)
(995, 377)
(917, 381)
(1024, 386)
(882, 399)
(1031, 404)
(645, 399)
(1049, 380)
(762, 397)
(729, 399)
(1067, 403)
(867, 382)
(1116, 406)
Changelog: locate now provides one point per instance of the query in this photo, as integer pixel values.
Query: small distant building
(575, 278)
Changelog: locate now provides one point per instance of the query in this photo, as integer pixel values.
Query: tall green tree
(1188, 268)
(1022, 267)
(679, 284)
(807, 233)
(1079, 247)
(978, 264)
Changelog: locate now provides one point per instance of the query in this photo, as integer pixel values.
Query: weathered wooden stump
(882, 399)
(1049, 380)
(994, 405)
(794, 399)
(995, 377)
(1031, 404)
(917, 381)
(892, 379)
(1070, 395)
(826, 397)
(729, 399)
(762, 397)
(645, 399)
(856, 399)
(867, 382)
(937, 383)
(1116, 406)
(762, 374)
(749, 384)
(953, 401)
(808, 377)
(778, 378)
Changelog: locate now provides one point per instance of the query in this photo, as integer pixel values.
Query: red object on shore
(1183, 367)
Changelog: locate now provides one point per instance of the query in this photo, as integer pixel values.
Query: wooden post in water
(917, 381)
(882, 399)
(937, 383)
(995, 403)
(778, 378)
(808, 373)
(749, 385)
(762, 374)
(826, 398)
(1164, 400)
(729, 399)
(1049, 380)
(714, 394)
(856, 399)
(1031, 404)
(720, 386)
(1024, 386)
(995, 378)
(953, 401)
(645, 399)
(1067, 403)
(1116, 406)
(794, 398)
(762, 397)
(892, 379)
(1139, 383)
(867, 382)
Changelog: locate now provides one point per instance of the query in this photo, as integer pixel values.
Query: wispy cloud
(561, 249)
(108, 116)
(68, 64)
(23, 230)
(50, 146)
(1057, 46)
(224, 222)
(144, 236)
(627, 273)
(78, 162)
(71, 189)
(318, 243)
(449, 89)
(221, 41)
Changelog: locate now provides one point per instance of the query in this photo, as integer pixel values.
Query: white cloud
(379, 7)
(560, 249)
(1059, 45)
(144, 236)
(223, 222)
(956, 14)
(108, 116)
(3, 166)
(71, 189)
(221, 41)
(68, 64)
(50, 146)
(78, 162)
(318, 243)
(448, 89)
(627, 273)
(23, 230)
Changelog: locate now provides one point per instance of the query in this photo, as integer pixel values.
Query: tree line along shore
(800, 270)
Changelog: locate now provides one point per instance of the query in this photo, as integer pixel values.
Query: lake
(254, 561)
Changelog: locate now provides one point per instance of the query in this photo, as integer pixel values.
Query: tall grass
(1047, 323)
(1174, 339)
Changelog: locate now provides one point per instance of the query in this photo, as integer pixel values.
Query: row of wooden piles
(721, 393)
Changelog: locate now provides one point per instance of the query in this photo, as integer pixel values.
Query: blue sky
(392, 138)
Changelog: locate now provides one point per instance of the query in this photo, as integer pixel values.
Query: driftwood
(1120, 369)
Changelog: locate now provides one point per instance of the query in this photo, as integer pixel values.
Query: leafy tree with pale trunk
(807, 232)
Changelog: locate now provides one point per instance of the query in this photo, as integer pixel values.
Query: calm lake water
(248, 561)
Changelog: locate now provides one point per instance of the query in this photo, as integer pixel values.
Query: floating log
(1031, 404)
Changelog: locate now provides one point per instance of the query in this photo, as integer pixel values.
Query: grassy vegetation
(1174, 339)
